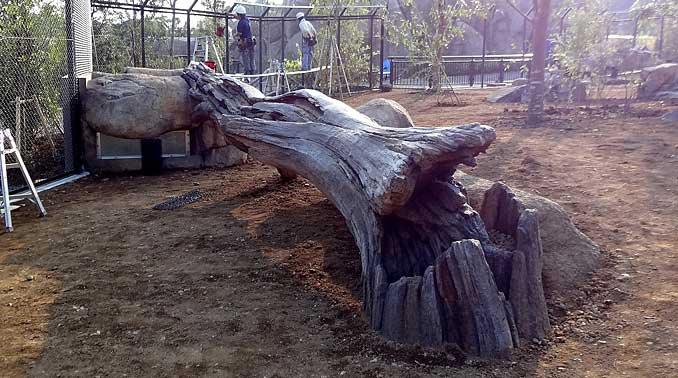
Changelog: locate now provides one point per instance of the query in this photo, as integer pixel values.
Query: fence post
(227, 58)
(70, 98)
(371, 31)
(471, 73)
(143, 35)
(188, 38)
(661, 36)
(501, 69)
(381, 56)
(261, 55)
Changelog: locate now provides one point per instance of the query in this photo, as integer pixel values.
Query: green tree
(117, 39)
(354, 47)
(33, 54)
(428, 33)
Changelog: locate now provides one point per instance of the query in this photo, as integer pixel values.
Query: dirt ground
(261, 278)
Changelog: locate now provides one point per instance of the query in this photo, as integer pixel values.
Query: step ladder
(204, 49)
(8, 148)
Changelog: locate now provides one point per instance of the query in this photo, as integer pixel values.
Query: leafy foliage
(428, 33)
(117, 40)
(651, 25)
(33, 49)
(354, 46)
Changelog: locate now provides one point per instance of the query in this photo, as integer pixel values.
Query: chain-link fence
(34, 89)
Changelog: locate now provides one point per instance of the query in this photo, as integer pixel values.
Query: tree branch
(525, 16)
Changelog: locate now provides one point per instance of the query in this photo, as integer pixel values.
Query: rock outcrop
(386, 113)
(160, 104)
(512, 94)
(658, 79)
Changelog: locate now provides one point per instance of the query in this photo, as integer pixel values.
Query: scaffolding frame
(283, 14)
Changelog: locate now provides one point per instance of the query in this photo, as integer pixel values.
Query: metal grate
(37, 76)
(177, 202)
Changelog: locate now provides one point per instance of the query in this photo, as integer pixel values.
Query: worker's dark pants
(306, 55)
(247, 59)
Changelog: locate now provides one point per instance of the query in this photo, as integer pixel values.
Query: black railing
(471, 70)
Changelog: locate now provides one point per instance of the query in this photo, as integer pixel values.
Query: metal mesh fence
(34, 85)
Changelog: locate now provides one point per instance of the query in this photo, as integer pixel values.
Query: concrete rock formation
(159, 103)
(386, 113)
(670, 117)
(431, 273)
(512, 94)
(147, 103)
(569, 255)
(657, 79)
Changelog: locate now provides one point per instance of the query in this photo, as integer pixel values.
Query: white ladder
(8, 148)
(201, 51)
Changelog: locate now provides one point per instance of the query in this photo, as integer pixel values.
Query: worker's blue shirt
(244, 28)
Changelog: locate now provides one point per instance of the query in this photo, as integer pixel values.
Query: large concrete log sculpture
(424, 250)
(147, 103)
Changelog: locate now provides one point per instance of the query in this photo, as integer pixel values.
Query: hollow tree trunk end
(431, 274)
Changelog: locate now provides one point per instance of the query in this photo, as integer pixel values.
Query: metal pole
(71, 100)
(482, 64)
(338, 36)
(188, 32)
(143, 38)
(635, 29)
(188, 38)
(562, 20)
(381, 53)
(283, 40)
(143, 34)
(661, 35)
(371, 49)
(227, 58)
(261, 57)
(525, 36)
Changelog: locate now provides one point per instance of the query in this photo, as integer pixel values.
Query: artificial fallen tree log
(424, 250)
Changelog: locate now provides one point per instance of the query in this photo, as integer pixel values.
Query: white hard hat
(239, 9)
(300, 15)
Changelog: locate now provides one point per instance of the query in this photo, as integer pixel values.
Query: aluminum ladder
(8, 148)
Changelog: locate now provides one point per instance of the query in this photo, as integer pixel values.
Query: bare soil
(261, 279)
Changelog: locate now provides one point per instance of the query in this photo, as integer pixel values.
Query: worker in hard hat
(308, 40)
(244, 39)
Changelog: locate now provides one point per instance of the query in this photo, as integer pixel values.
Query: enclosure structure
(627, 26)
(462, 70)
(45, 50)
(263, 16)
(486, 67)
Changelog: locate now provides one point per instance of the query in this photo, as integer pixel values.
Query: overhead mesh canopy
(268, 11)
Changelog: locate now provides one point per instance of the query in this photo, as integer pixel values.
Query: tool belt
(247, 43)
(311, 41)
